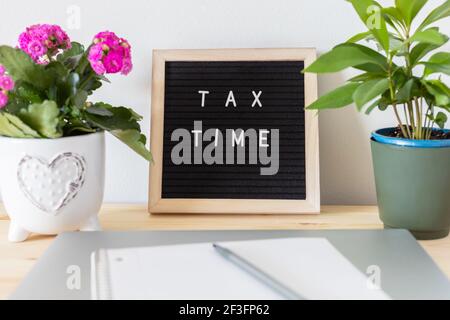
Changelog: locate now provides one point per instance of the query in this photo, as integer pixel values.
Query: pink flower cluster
(110, 54)
(41, 41)
(6, 84)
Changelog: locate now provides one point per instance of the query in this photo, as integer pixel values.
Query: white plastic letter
(236, 140)
(230, 99)
(263, 138)
(196, 135)
(203, 93)
(256, 101)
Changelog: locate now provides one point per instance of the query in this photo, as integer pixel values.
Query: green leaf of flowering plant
(135, 140)
(121, 118)
(11, 126)
(70, 58)
(22, 96)
(28, 92)
(44, 118)
(99, 110)
(79, 99)
(57, 70)
(21, 67)
(122, 123)
(75, 127)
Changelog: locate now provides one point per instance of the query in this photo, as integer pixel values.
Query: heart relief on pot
(51, 185)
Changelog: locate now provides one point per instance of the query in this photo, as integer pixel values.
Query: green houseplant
(46, 82)
(401, 69)
(52, 147)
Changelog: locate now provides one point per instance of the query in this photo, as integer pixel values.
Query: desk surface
(16, 259)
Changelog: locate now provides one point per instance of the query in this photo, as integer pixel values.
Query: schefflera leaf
(431, 36)
(44, 118)
(347, 55)
(440, 12)
(409, 8)
(338, 98)
(369, 90)
(439, 62)
(441, 119)
(439, 91)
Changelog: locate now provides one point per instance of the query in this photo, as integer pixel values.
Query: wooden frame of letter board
(157, 204)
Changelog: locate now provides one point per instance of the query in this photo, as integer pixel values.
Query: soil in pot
(435, 134)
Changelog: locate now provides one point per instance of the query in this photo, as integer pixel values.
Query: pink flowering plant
(46, 81)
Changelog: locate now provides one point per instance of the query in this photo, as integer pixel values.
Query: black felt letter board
(282, 99)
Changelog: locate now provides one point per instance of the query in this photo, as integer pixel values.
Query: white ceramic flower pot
(52, 185)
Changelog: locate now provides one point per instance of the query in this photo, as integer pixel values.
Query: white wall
(346, 171)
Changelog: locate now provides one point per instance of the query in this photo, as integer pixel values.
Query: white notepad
(312, 267)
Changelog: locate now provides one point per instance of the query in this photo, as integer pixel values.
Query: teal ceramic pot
(412, 180)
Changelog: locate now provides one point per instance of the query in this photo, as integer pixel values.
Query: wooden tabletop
(16, 259)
